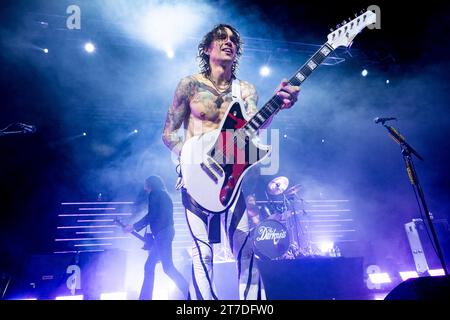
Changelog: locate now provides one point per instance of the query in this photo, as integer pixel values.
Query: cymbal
(277, 186)
(293, 190)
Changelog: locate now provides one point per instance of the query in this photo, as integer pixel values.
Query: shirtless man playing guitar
(200, 103)
(212, 165)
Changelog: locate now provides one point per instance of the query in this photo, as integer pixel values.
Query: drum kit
(279, 234)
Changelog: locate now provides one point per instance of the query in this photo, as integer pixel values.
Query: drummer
(253, 211)
(254, 189)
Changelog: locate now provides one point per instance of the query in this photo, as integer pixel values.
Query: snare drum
(270, 239)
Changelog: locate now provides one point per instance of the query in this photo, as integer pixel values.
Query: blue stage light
(89, 47)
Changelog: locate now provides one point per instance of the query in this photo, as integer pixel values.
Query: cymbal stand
(288, 204)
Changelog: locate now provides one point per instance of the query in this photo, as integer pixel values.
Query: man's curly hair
(205, 69)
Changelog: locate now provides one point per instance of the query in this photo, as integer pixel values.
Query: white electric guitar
(213, 164)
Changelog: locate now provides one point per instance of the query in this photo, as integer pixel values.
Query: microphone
(27, 128)
(383, 120)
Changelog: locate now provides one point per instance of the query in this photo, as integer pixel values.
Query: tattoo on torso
(206, 103)
(200, 108)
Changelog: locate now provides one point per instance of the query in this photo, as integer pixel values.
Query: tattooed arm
(251, 100)
(176, 114)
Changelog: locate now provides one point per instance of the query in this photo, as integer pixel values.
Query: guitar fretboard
(275, 103)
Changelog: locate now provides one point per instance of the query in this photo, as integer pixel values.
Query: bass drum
(270, 239)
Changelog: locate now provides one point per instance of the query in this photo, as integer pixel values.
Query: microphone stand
(407, 151)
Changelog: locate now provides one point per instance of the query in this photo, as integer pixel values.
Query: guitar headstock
(344, 35)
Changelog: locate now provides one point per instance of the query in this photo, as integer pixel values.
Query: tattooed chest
(208, 106)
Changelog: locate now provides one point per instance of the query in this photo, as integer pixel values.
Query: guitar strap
(236, 91)
(212, 220)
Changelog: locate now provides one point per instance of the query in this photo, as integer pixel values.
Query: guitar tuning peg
(356, 15)
(344, 22)
(338, 26)
(331, 29)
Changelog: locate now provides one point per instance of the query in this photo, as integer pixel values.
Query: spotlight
(387, 81)
(264, 71)
(89, 47)
(84, 134)
(132, 133)
(364, 73)
(378, 278)
(436, 272)
(323, 140)
(166, 24)
(405, 275)
(170, 54)
(326, 246)
(76, 297)
(285, 136)
(113, 296)
(45, 50)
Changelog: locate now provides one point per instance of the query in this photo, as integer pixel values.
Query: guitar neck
(275, 103)
(134, 233)
(137, 235)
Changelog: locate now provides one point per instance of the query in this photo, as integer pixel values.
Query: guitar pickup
(209, 172)
(214, 165)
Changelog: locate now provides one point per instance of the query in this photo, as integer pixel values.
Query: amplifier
(421, 243)
(86, 273)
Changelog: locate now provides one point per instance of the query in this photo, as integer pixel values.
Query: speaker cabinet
(317, 278)
(421, 245)
(86, 273)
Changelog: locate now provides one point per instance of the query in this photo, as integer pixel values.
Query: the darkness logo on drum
(270, 239)
(269, 233)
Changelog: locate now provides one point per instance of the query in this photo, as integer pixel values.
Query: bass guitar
(148, 239)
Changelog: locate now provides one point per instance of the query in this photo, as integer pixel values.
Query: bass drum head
(270, 239)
